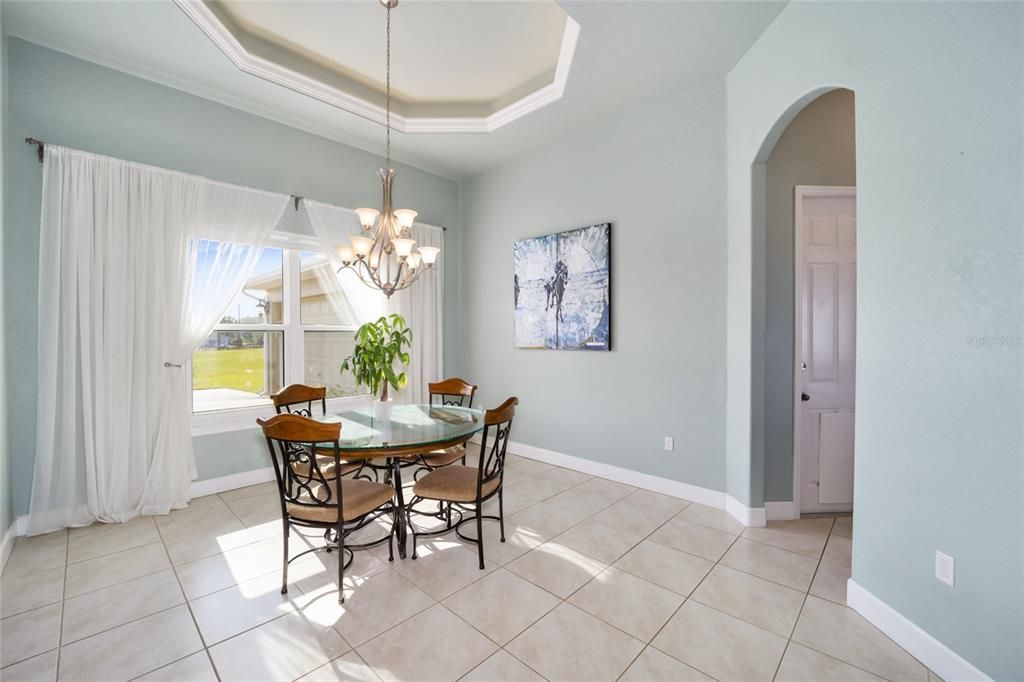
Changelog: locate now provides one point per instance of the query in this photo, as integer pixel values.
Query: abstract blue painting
(562, 290)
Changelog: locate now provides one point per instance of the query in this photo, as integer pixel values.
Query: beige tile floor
(597, 581)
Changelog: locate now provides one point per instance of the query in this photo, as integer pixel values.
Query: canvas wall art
(562, 290)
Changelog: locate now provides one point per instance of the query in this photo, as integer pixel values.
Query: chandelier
(382, 255)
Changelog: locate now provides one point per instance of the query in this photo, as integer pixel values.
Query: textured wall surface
(657, 176)
(940, 377)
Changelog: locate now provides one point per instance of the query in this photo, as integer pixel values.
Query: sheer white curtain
(122, 305)
(334, 225)
(421, 304)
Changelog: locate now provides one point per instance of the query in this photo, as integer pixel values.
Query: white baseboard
(231, 482)
(781, 511)
(665, 486)
(949, 665)
(7, 544)
(748, 516)
(198, 489)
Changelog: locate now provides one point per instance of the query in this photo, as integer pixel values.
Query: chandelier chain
(382, 256)
(387, 94)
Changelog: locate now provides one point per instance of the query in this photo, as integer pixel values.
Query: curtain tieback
(171, 364)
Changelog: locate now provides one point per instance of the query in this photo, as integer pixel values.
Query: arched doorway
(811, 144)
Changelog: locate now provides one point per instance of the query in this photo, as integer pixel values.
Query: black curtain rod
(39, 152)
(39, 146)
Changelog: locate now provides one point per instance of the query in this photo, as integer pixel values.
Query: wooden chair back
(292, 440)
(494, 443)
(299, 399)
(454, 391)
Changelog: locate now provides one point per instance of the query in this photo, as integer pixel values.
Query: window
(291, 323)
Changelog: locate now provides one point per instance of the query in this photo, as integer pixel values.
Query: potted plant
(380, 347)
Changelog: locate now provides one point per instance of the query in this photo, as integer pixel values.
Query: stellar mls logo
(995, 341)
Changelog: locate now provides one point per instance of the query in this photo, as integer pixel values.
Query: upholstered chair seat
(454, 483)
(359, 498)
(444, 456)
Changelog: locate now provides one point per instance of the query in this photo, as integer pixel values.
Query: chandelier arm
(360, 273)
(399, 272)
(415, 276)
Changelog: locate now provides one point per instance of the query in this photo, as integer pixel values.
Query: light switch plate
(945, 568)
(670, 443)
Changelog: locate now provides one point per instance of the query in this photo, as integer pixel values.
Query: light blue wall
(657, 175)
(940, 177)
(67, 101)
(6, 512)
(817, 148)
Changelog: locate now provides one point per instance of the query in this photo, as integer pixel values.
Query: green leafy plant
(379, 347)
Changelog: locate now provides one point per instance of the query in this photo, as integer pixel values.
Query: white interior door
(826, 281)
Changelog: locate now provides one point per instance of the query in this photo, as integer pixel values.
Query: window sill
(242, 419)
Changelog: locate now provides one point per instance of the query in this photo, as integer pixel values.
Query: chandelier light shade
(384, 255)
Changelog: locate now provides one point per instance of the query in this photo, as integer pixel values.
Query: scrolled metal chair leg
(284, 568)
(501, 513)
(392, 534)
(341, 559)
(408, 514)
(480, 536)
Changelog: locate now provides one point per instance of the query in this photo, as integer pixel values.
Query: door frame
(800, 192)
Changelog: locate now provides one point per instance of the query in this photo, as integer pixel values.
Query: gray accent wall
(657, 175)
(817, 148)
(75, 103)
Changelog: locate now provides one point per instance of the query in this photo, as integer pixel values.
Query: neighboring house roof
(266, 281)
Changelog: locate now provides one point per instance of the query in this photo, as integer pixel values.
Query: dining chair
(311, 498)
(466, 488)
(447, 393)
(298, 399)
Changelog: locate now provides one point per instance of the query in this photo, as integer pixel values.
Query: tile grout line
(642, 539)
(500, 566)
(188, 604)
(807, 595)
(803, 602)
(63, 593)
(679, 608)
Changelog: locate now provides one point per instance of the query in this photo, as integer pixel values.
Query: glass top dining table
(410, 430)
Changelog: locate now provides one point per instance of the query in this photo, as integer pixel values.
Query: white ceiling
(446, 51)
(626, 52)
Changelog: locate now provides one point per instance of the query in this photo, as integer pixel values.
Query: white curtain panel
(334, 225)
(421, 304)
(122, 306)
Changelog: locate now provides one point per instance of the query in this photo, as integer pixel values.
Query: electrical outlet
(945, 568)
(670, 443)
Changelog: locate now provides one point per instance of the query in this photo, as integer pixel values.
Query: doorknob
(804, 397)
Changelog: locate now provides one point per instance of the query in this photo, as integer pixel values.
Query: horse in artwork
(555, 289)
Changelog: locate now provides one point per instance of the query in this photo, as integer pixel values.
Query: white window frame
(243, 418)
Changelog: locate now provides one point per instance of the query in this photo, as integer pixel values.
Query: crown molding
(263, 68)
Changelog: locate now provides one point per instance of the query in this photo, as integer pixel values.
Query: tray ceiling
(456, 66)
(629, 55)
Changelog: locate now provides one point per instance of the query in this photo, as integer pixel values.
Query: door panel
(835, 458)
(823, 320)
(827, 246)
